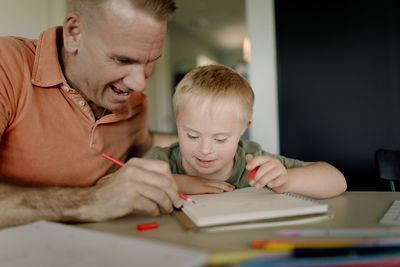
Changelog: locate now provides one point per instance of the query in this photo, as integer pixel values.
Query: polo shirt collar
(47, 71)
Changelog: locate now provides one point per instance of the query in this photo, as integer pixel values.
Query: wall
(339, 95)
(159, 92)
(262, 73)
(185, 48)
(30, 17)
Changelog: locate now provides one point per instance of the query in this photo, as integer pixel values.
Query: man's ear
(72, 30)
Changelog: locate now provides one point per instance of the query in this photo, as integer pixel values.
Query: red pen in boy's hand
(253, 173)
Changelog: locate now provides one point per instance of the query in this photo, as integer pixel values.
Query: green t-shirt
(172, 155)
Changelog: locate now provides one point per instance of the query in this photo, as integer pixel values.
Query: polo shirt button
(65, 88)
(81, 103)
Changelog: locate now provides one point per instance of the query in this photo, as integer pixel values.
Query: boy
(213, 107)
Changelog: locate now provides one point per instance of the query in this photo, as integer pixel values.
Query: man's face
(208, 138)
(116, 54)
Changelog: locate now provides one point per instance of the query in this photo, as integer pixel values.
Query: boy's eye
(221, 140)
(192, 136)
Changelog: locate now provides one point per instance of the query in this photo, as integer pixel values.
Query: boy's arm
(316, 179)
(188, 184)
(313, 179)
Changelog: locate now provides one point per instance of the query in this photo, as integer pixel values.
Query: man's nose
(136, 78)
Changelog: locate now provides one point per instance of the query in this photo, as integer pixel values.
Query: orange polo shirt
(49, 134)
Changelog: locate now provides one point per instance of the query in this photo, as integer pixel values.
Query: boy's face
(208, 137)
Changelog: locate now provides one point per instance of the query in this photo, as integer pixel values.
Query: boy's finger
(266, 178)
(249, 158)
(226, 187)
(257, 161)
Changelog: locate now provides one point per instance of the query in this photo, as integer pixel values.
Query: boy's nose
(206, 147)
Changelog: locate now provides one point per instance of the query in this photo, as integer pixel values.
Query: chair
(388, 164)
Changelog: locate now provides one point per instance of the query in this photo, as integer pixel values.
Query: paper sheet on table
(52, 244)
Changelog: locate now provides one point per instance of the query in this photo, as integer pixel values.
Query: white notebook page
(248, 204)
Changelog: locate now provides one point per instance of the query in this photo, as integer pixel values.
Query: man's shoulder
(11, 45)
(17, 57)
(16, 54)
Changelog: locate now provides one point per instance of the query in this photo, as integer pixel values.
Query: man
(68, 97)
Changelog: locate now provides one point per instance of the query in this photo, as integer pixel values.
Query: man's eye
(124, 61)
(192, 136)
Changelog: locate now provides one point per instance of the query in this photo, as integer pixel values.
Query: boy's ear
(247, 126)
(72, 32)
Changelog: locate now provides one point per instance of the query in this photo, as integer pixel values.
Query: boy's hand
(271, 173)
(197, 185)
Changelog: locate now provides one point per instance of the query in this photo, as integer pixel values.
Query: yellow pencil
(285, 246)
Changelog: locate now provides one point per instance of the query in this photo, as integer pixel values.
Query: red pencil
(253, 173)
(185, 197)
(120, 163)
(112, 159)
(147, 226)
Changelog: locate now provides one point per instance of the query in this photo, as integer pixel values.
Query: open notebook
(249, 208)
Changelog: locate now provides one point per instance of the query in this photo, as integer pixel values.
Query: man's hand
(141, 186)
(197, 185)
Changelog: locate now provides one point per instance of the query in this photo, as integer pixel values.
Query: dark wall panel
(338, 83)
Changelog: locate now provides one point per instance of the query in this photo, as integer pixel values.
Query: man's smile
(118, 91)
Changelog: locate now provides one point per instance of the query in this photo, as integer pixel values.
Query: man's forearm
(141, 186)
(21, 205)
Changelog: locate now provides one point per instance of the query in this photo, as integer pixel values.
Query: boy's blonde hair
(213, 83)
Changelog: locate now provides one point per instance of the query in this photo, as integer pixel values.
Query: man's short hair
(161, 9)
